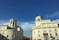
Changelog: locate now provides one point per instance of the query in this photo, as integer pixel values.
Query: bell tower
(13, 23)
(38, 20)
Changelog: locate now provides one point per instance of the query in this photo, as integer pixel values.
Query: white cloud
(57, 20)
(27, 28)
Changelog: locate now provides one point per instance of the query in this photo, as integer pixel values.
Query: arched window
(45, 36)
(13, 23)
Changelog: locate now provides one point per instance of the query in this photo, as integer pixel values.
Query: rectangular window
(56, 34)
(7, 35)
(58, 25)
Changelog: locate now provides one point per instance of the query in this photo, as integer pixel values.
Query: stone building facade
(45, 29)
(11, 31)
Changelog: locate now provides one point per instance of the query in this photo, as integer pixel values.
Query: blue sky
(25, 11)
